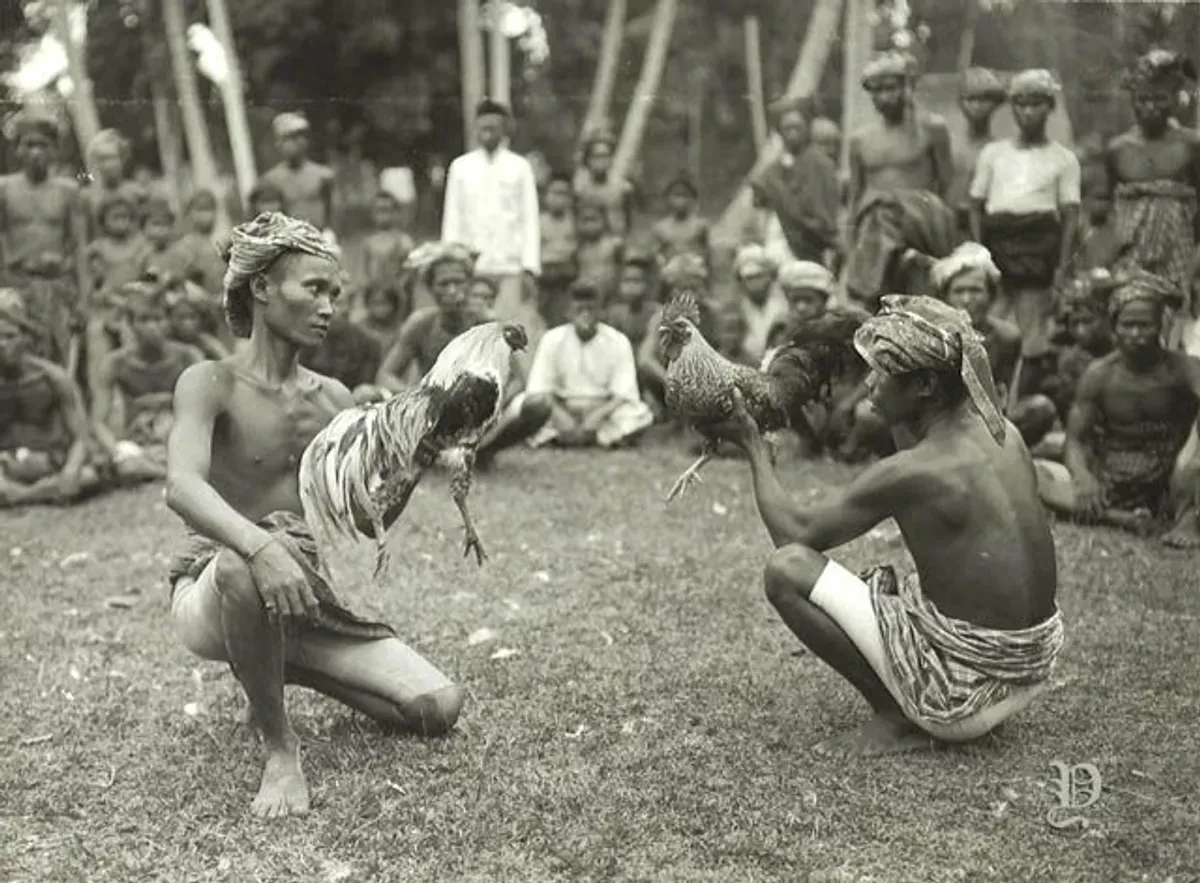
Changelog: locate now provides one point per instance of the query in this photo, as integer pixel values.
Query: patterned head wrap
(968, 256)
(1034, 83)
(684, 268)
(979, 82)
(251, 250)
(751, 258)
(1140, 286)
(917, 333)
(1159, 69)
(428, 255)
(287, 124)
(806, 274)
(31, 120)
(888, 65)
(12, 310)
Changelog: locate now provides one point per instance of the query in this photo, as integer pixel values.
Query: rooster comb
(683, 305)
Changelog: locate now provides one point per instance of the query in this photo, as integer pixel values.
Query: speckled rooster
(700, 381)
(358, 474)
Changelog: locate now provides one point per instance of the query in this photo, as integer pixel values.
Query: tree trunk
(966, 42)
(699, 92)
(606, 72)
(195, 127)
(470, 53)
(234, 99)
(500, 56)
(754, 81)
(82, 103)
(647, 87)
(856, 52)
(806, 77)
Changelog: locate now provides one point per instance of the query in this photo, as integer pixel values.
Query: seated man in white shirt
(589, 371)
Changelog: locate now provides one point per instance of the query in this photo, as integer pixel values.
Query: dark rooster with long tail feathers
(700, 381)
(358, 474)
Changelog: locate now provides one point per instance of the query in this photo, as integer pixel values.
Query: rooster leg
(691, 475)
(462, 464)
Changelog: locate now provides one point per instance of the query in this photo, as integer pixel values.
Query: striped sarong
(1155, 229)
(947, 670)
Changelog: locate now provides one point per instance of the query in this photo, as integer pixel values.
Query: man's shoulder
(1062, 153)
(932, 122)
(422, 319)
(1004, 331)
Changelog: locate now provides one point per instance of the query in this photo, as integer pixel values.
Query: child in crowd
(1099, 247)
(682, 231)
(633, 307)
(265, 197)
(730, 333)
(386, 305)
(142, 375)
(194, 256)
(108, 162)
(559, 243)
(194, 318)
(387, 246)
(158, 229)
(599, 251)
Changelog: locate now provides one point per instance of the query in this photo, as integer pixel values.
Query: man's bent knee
(235, 583)
(792, 570)
(434, 714)
(537, 406)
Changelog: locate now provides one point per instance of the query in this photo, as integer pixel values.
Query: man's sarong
(946, 670)
(1026, 248)
(1135, 469)
(293, 532)
(51, 303)
(885, 225)
(1155, 223)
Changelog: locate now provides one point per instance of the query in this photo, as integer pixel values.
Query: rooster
(700, 381)
(358, 474)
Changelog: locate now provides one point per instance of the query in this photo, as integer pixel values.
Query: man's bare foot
(283, 791)
(1186, 532)
(878, 736)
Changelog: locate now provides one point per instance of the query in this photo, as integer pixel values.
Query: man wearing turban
(762, 303)
(1133, 412)
(307, 186)
(1153, 180)
(249, 589)
(1024, 207)
(972, 636)
(43, 236)
(901, 168)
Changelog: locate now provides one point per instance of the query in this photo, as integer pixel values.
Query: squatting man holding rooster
(953, 650)
(250, 590)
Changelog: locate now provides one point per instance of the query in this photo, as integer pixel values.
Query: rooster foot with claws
(472, 543)
(690, 477)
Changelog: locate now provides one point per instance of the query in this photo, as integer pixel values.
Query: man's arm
(943, 158)
(531, 242)
(328, 180)
(1082, 418)
(452, 221)
(857, 174)
(199, 399)
(1069, 195)
(76, 236)
(879, 492)
(981, 183)
(74, 418)
(399, 357)
(103, 401)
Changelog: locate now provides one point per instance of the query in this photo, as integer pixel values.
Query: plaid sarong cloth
(1155, 230)
(1135, 468)
(946, 669)
(293, 532)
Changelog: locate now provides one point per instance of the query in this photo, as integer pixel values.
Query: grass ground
(655, 724)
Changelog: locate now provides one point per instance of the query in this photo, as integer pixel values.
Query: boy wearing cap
(307, 186)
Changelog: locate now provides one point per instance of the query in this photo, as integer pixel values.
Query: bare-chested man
(43, 234)
(900, 173)
(1132, 414)
(250, 591)
(969, 639)
(1154, 176)
(980, 96)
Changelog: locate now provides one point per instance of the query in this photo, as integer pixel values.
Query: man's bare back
(261, 432)
(978, 534)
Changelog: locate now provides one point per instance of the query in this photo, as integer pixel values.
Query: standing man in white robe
(492, 207)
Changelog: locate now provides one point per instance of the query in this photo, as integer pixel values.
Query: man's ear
(259, 286)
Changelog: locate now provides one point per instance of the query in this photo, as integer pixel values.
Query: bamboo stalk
(966, 43)
(500, 58)
(754, 81)
(643, 96)
(470, 50)
(83, 103)
(599, 104)
(234, 100)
